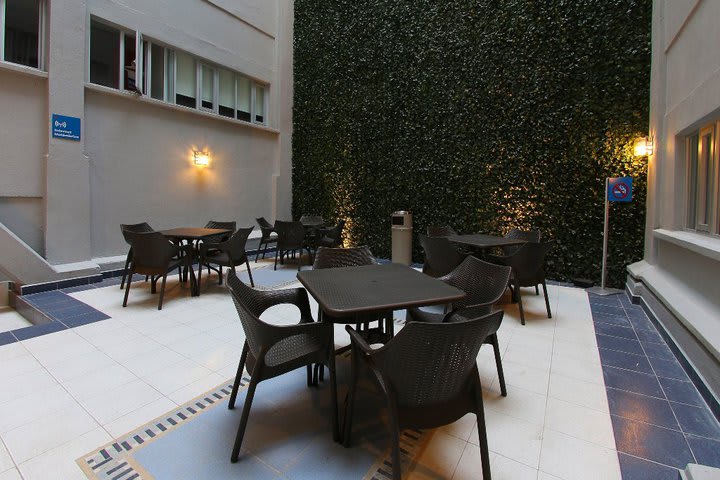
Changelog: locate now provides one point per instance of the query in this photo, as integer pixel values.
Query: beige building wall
(65, 200)
(679, 277)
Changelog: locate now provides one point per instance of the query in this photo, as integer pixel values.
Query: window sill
(178, 108)
(705, 245)
(23, 69)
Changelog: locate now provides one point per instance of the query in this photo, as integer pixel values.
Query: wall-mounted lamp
(201, 159)
(644, 146)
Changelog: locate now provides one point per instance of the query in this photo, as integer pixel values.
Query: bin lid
(402, 212)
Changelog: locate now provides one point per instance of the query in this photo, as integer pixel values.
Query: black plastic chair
(440, 231)
(331, 237)
(127, 231)
(268, 236)
(428, 376)
(484, 285)
(441, 256)
(229, 253)
(220, 237)
(155, 255)
(291, 238)
(272, 350)
(527, 270)
(517, 234)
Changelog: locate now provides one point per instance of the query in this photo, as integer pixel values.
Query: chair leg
(247, 264)
(276, 257)
(519, 300)
(395, 439)
(245, 415)
(547, 301)
(482, 433)
(127, 287)
(350, 402)
(498, 362)
(238, 377)
(162, 291)
(199, 277)
(257, 252)
(537, 292)
(153, 284)
(333, 393)
(125, 270)
(220, 275)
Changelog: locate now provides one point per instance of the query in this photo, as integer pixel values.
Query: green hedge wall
(484, 115)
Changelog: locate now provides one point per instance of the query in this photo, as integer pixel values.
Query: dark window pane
(245, 116)
(158, 72)
(22, 18)
(104, 55)
(130, 69)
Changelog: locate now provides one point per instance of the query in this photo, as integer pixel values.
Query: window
(126, 61)
(116, 58)
(702, 186)
(22, 30)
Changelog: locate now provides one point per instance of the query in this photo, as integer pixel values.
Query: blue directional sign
(65, 127)
(620, 189)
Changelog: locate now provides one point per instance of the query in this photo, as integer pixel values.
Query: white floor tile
(11, 474)
(26, 384)
(84, 364)
(512, 438)
(578, 392)
(470, 465)
(504, 468)
(439, 458)
(196, 388)
(580, 422)
(191, 346)
(29, 408)
(570, 458)
(11, 320)
(152, 361)
(59, 463)
(461, 428)
(130, 421)
(116, 402)
(520, 403)
(99, 381)
(569, 367)
(176, 376)
(19, 365)
(48, 432)
(527, 377)
(6, 462)
(12, 350)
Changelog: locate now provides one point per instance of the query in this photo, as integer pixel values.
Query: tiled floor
(66, 393)
(11, 320)
(650, 396)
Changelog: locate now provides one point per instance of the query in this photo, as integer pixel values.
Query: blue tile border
(660, 418)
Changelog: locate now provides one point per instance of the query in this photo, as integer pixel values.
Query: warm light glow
(644, 146)
(202, 159)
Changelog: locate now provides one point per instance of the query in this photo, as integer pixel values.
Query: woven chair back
(482, 282)
(128, 229)
(441, 257)
(343, 257)
(431, 363)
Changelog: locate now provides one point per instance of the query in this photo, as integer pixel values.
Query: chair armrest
(272, 334)
(358, 341)
(417, 315)
(205, 246)
(294, 296)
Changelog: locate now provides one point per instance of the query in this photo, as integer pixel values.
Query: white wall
(681, 267)
(134, 160)
(141, 168)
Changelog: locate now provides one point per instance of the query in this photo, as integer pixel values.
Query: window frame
(42, 35)
(170, 54)
(702, 195)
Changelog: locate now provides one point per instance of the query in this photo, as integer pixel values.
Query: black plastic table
(193, 235)
(345, 292)
(482, 241)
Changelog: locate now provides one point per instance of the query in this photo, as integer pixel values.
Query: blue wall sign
(65, 127)
(620, 189)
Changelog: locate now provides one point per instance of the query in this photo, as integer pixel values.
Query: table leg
(333, 383)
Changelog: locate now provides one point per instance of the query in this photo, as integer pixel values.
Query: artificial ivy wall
(484, 115)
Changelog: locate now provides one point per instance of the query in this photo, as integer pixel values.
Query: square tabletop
(344, 292)
(479, 240)
(193, 233)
